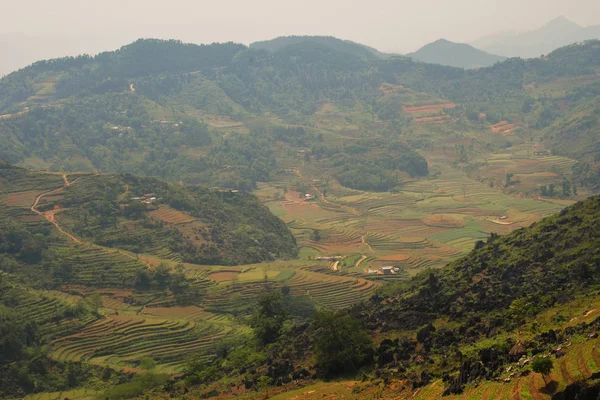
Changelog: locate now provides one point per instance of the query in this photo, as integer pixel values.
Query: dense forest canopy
(106, 108)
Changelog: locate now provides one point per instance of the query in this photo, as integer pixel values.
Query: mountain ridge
(460, 55)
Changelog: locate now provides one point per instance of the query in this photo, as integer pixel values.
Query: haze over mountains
(20, 50)
(556, 33)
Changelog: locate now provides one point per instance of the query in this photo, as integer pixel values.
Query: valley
(204, 220)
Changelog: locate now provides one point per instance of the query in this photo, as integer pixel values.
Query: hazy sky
(388, 25)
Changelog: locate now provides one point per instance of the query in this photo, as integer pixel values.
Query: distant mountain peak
(543, 40)
(443, 41)
(562, 22)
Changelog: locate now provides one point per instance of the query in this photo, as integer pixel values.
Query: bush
(341, 346)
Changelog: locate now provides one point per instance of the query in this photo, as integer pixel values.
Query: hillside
(556, 33)
(79, 103)
(345, 46)
(551, 261)
(100, 277)
(190, 224)
(576, 135)
(221, 213)
(460, 55)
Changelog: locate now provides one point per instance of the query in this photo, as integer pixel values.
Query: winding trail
(324, 200)
(49, 216)
(363, 258)
(363, 241)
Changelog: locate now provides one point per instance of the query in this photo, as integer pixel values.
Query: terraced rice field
(100, 267)
(331, 292)
(426, 108)
(529, 171)
(47, 311)
(123, 340)
(171, 216)
(27, 180)
(427, 224)
(504, 127)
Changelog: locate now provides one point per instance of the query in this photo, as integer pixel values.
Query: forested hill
(459, 55)
(346, 46)
(146, 215)
(143, 109)
(300, 72)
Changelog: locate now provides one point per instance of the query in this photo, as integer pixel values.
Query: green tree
(147, 363)
(542, 366)
(316, 235)
(341, 346)
(566, 188)
(263, 384)
(96, 301)
(135, 210)
(268, 319)
(162, 275)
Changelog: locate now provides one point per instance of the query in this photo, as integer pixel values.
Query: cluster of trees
(163, 277)
(339, 344)
(358, 169)
(567, 189)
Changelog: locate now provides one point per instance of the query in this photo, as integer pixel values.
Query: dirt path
(516, 393)
(49, 216)
(582, 365)
(324, 200)
(363, 258)
(363, 241)
(596, 357)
